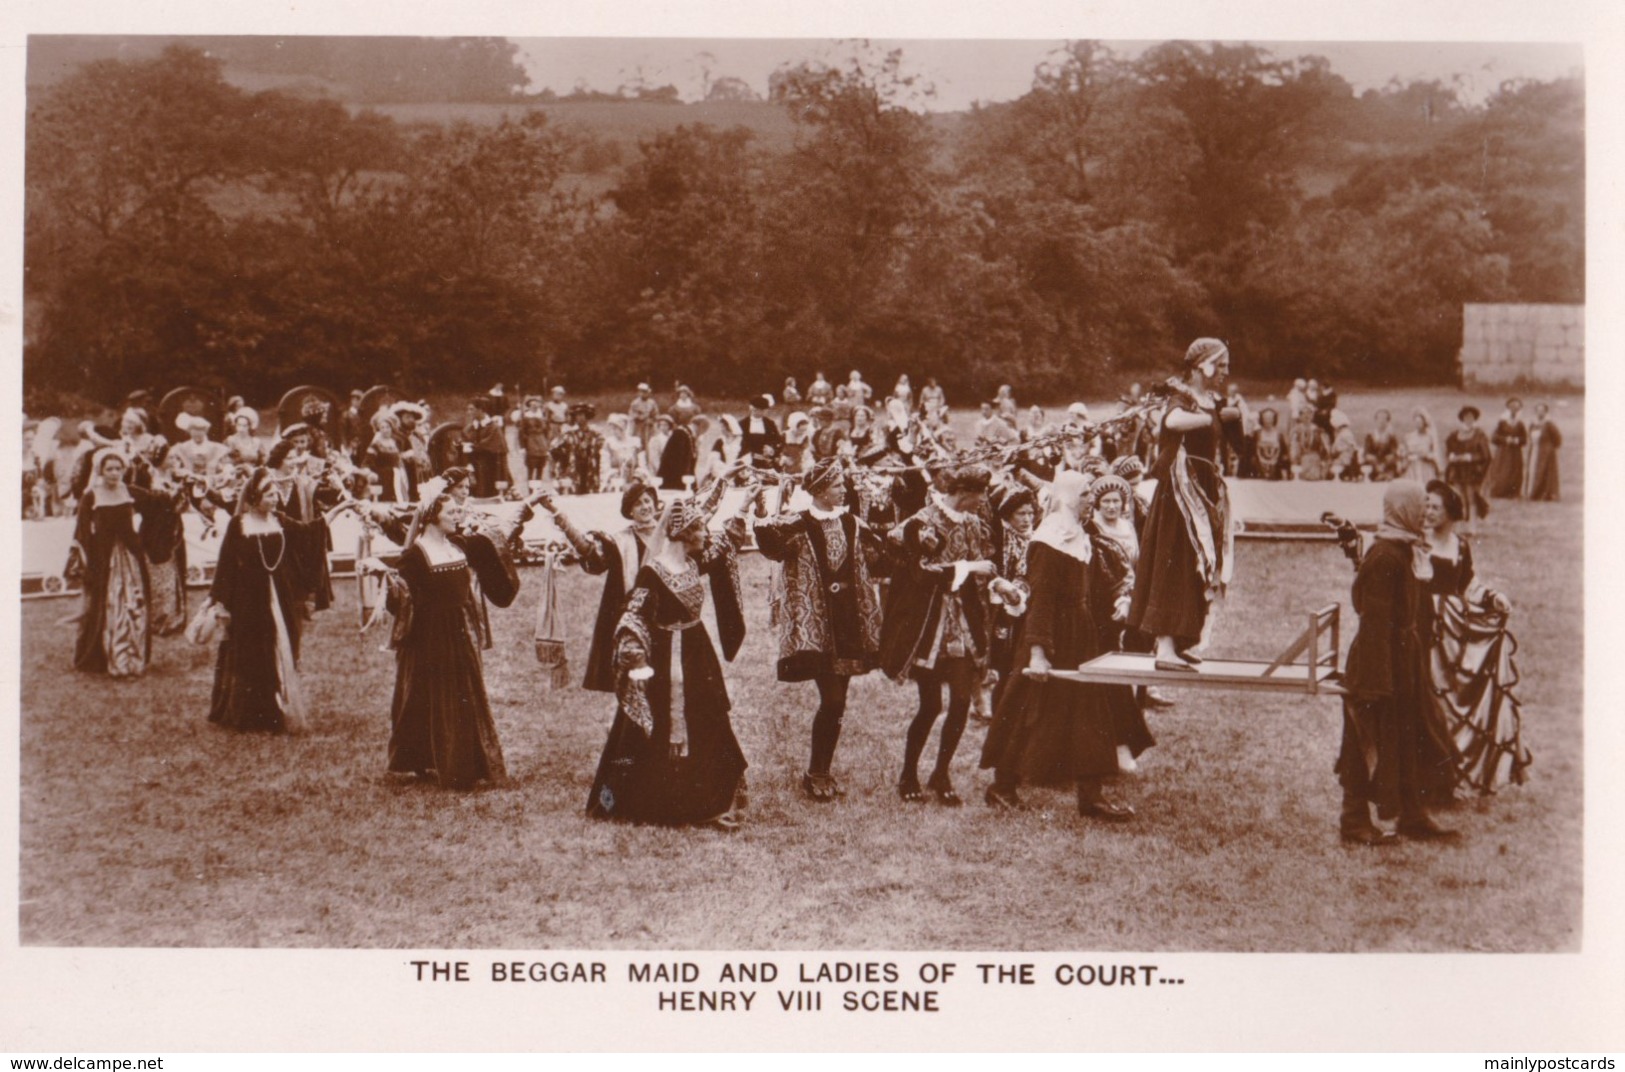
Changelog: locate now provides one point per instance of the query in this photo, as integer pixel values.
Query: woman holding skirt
(115, 631)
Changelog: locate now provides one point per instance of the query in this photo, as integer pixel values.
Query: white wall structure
(1503, 345)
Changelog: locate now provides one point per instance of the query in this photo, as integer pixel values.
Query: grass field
(143, 825)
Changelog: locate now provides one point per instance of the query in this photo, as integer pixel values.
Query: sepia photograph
(788, 495)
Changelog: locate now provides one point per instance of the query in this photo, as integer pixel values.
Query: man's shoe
(820, 787)
(1423, 828)
(1002, 799)
(944, 790)
(1178, 666)
(1105, 809)
(1370, 834)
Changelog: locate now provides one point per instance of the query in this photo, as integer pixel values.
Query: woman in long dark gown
(1470, 660)
(1393, 749)
(1049, 732)
(1185, 553)
(268, 566)
(440, 716)
(1543, 474)
(672, 758)
(618, 556)
(115, 633)
(1511, 436)
(1467, 457)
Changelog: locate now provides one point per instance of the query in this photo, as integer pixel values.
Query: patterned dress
(1470, 659)
(672, 758)
(115, 634)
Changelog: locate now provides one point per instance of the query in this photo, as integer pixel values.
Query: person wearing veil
(115, 624)
(1543, 472)
(671, 758)
(1421, 449)
(1393, 749)
(1185, 551)
(440, 717)
(269, 563)
(1048, 732)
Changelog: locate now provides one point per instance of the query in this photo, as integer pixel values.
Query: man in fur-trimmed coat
(825, 607)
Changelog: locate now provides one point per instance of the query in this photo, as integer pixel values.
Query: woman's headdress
(254, 487)
(1204, 350)
(1061, 527)
(1129, 467)
(1109, 483)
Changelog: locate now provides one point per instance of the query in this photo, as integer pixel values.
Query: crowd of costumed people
(970, 569)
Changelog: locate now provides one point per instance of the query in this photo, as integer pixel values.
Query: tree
(849, 203)
(1251, 118)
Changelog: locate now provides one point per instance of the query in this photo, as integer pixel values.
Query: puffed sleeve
(499, 580)
(774, 536)
(398, 594)
(226, 581)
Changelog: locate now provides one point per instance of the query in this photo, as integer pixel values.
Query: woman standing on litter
(1185, 551)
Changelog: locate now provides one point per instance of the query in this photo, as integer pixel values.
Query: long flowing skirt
(1473, 680)
(1506, 473)
(256, 677)
(125, 616)
(441, 714)
(671, 777)
(1543, 481)
(168, 580)
(1053, 733)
